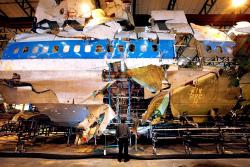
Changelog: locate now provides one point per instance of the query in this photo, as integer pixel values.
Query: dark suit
(123, 134)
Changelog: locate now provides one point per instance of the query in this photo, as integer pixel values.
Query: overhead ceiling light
(238, 3)
(85, 8)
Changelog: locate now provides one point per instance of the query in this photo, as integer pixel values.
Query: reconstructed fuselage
(64, 77)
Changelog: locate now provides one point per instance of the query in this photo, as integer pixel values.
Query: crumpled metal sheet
(157, 107)
(99, 128)
(245, 86)
(207, 33)
(150, 77)
(26, 115)
(205, 93)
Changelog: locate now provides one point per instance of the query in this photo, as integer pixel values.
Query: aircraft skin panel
(64, 86)
(67, 79)
(208, 92)
(89, 49)
(65, 114)
(84, 65)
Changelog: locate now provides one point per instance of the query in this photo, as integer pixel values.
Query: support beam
(2, 13)
(26, 7)
(134, 8)
(211, 19)
(142, 20)
(171, 4)
(97, 4)
(208, 5)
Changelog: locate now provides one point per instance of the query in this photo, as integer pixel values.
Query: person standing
(123, 134)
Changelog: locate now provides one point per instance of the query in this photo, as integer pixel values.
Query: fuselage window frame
(87, 48)
(98, 48)
(55, 49)
(26, 49)
(143, 48)
(66, 48)
(120, 48)
(77, 48)
(16, 50)
(35, 49)
(45, 49)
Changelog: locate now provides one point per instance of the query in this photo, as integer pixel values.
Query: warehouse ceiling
(12, 8)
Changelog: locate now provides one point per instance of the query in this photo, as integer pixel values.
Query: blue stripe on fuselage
(142, 49)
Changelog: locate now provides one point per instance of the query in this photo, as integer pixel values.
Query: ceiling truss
(26, 7)
(171, 4)
(208, 5)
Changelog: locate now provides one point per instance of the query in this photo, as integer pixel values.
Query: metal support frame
(26, 7)
(207, 6)
(2, 13)
(129, 101)
(134, 7)
(97, 4)
(171, 4)
(186, 40)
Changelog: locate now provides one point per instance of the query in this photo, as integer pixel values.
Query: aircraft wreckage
(86, 70)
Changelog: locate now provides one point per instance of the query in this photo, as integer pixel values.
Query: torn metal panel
(180, 77)
(170, 16)
(98, 17)
(150, 77)
(24, 115)
(147, 35)
(117, 9)
(202, 95)
(71, 10)
(245, 86)
(179, 28)
(108, 116)
(240, 33)
(94, 114)
(241, 28)
(157, 107)
(126, 35)
(99, 128)
(107, 31)
(170, 21)
(65, 114)
(207, 33)
(148, 94)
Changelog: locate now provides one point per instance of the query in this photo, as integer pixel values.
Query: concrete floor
(24, 162)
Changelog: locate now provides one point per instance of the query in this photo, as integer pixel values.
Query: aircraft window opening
(77, 48)
(16, 50)
(143, 48)
(110, 48)
(61, 11)
(87, 48)
(131, 47)
(154, 48)
(120, 48)
(209, 48)
(45, 49)
(66, 48)
(25, 49)
(98, 48)
(219, 49)
(229, 50)
(55, 49)
(35, 49)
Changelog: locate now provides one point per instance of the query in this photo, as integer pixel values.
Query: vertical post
(109, 89)
(129, 101)
(134, 8)
(95, 140)
(105, 147)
